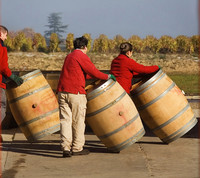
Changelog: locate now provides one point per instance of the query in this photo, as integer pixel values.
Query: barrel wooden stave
(114, 125)
(29, 85)
(124, 134)
(104, 99)
(53, 80)
(34, 106)
(176, 124)
(115, 118)
(34, 131)
(163, 107)
(152, 92)
(157, 113)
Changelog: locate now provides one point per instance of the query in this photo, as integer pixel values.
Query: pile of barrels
(114, 116)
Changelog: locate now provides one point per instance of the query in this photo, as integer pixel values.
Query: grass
(189, 83)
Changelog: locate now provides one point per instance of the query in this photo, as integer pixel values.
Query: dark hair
(3, 29)
(125, 47)
(80, 43)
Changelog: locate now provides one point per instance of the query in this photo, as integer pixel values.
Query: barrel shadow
(95, 146)
(43, 148)
(193, 133)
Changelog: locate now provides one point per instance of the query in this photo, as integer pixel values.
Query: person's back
(72, 78)
(76, 66)
(72, 97)
(124, 68)
(120, 68)
(5, 73)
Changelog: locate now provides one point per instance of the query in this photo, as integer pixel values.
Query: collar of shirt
(79, 50)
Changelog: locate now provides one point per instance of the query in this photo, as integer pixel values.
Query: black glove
(111, 76)
(16, 79)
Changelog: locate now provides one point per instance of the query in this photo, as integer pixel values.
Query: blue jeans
(2, 104)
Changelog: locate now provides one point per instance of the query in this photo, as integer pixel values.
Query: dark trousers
(2, 104)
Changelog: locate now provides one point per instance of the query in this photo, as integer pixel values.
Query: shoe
(67, 154)
(83, 152)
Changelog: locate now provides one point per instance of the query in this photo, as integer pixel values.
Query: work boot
(67, 154)
(83, 152)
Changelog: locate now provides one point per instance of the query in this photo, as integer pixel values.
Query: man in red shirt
(72, 97)
(5, 72)
(124, 68)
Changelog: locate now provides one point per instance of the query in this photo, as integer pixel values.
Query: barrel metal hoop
(137, 93)
(157, 98)
(120, 128)
(172, 119)
(129, 141)
(152, 79)
(28, 94)
(107, 106)
(44, 133)
(132, 141)
(34, 76)
(31, 73)
(103, 88)
(181, 131)
(38, 118)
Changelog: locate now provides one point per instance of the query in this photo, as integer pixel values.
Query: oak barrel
(163, 107)
(112, 115)
(34, 106)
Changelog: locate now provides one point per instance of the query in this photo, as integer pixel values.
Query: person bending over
(5, 72)
(124, 68)
(72, 97)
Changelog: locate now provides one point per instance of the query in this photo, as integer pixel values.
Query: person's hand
(16, 79)
(159, 67)
(111, 76)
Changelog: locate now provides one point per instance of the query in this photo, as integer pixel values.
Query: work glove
(159, 67)
(111, 76)
(16, 79)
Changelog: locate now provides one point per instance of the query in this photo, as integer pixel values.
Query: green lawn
(189, 83)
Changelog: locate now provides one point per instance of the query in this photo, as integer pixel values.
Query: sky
(109, 17)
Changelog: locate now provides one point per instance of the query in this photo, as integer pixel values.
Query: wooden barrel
(163, 107)
(52, 79)
(34, 106)
(113, 116)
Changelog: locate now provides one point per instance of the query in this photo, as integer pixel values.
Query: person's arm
(5, 70)
(139, 69)
(91, 71)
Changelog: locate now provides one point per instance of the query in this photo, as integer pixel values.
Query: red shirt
(125, 68)
(4, 70)
(76, 66)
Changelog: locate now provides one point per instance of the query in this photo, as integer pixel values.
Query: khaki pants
(2, 104)
(72, 110)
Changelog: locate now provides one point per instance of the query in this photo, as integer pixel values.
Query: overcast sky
(109, 17)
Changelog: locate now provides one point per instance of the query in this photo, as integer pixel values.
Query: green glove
(111, 76)
(16, 79)
(159, 67)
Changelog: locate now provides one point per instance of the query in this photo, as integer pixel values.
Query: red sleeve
(88, 77)
(137, 68)
(91, 70)
(4, 69)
